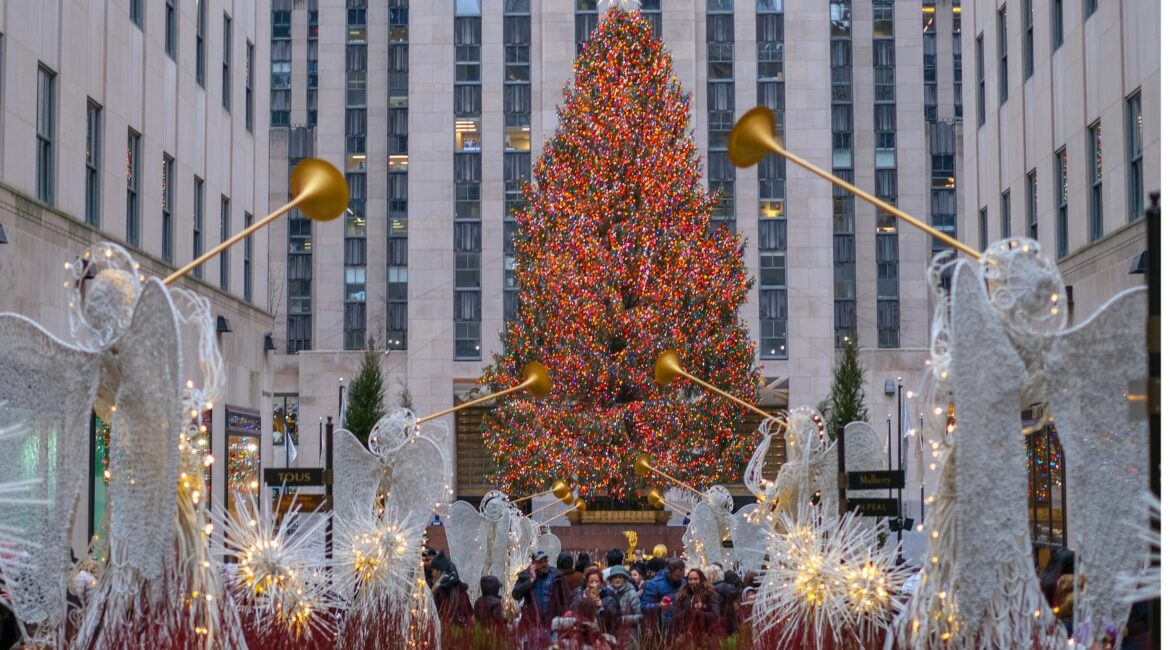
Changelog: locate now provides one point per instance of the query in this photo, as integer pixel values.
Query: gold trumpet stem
(530, 496)
(676, 509)
(750, 407)
(473, 402)
(674, 480)
(873, 200)
(544, 507)
(232, 241)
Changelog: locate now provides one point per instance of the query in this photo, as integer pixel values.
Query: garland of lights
(617, 259)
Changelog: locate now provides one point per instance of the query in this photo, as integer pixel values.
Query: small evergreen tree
(366, 395)
(846, 400)
(405, 399)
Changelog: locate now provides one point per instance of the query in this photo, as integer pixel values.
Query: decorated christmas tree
(617, 261)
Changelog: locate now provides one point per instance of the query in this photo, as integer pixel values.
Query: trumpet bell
(579, 505)
(321, 190)
(667, 368)
(536, 379)
(642, 465)
(753, 136)
(655, 498)
(561, 490)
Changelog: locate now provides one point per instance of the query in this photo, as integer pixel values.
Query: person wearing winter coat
(657, 593)
(562, 594)
(450, 593)
(729, 589)
(699, 616)
(623, 610)
(489, 609)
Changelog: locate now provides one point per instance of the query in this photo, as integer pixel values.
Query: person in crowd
(578, 629)
(532, 584)
(623, 610)
(639, 556)
(577, 577)
(489, 609)
(450, 592)
(428, 556)
(747, 597)
(729, 588)
(594, 589)
(613, 557)
(698, 617)
(561, 593)
(658, 594)
(1062, 562)
(653, 566)
(636, 578)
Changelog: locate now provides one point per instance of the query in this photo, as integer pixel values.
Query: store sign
(873, 507)
(295, 476)
(877, 480)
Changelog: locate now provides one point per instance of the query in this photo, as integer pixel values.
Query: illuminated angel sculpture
(489, 540)
(384, 498)
(124, 362)
(710, 524)
(1009, 344)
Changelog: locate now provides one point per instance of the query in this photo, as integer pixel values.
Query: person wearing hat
(451, 597)
(623, 609)
(428, 556)
(534, 587)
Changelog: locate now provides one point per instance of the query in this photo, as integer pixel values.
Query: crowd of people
(577, 604)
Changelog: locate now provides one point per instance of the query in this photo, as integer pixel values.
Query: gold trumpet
(668, 367)
(578, 505)
(754, 136)
(642, 467)
(657, 500)
(535, 380)
(559, 489)
(319, 190)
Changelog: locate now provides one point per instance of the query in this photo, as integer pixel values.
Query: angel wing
(144, 432)
(356, 476)
(980, 589)
(478, 539)
(750, 536)
(710, 524)
(549, 543)
(1088, 370)
(46, 393)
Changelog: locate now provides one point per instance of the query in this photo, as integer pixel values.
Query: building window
(285, 422)
(1133, 151)
(133, 199)
(773, 222)
(168, 209)
(249, 109)
(1001, 28)
(93, 163)
(586, 21)
(983, 228)
(517, 134)
(248, 259)
(468, 245)
(136, 12)
(1090, 7)
(841, 123)
(197, 226)
(46, 132)
(1033, 207)
(171, 42)
(1005, 215)
(943, 204)
(1061, 182)
(1026, 8)
(225, 231)
(226, 91)
(720, 106)
(200, 42)
(1096, 198)
(980, 101)
(1057, 24)
(930, 59)
(957, 57)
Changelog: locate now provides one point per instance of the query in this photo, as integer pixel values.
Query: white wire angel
(482, 541)
(710, 524)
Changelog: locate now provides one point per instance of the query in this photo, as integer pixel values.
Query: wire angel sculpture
(124, 362)
(384, 498)
(1009, 345)
(710, 524)
(483, 541)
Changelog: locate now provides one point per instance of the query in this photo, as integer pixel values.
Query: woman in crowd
(698, 617)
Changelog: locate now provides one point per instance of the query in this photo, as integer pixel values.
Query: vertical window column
(1060, 176)
(356, 57)
(397, 166)
(517, 134)
(943, 202)
(280, 99)
(311, 62)
(133, 199)
(720, 108)
(197, 226)
(1029, 42)
(468, 242)
(1096, 199)
(1001, 43)
(773, 221)
(225, 231)
(1005, 215)
(652, 12)
(885, 126)
(248, 259)
(585, 21)
(168, 209)
(201, 42)
(226, 78)
(249, 72)
(1032, 206)
(930, 59)
(981, 81)
(46, 132)
(93, 162)
(957, 56)
(844, 240)
(1133, 152)
(299, 275)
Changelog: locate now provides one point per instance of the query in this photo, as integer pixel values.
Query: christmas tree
(846, 400)
(617, 261)
(365, 401)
